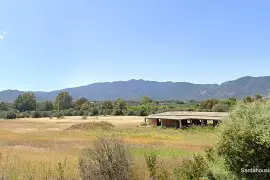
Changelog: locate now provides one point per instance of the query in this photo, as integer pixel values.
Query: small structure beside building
(181, 119)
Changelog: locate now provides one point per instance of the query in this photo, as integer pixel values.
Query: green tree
(220, 108)
(248, 99)
(232, 102)
(107, 105)
(85, 106)
(63, 101)
(26, 102)
(45, 106)
(208, 104)
(120, 104)
(258, 97)
(146, 100)
(4, 106)
(79, 102)
(244, 139)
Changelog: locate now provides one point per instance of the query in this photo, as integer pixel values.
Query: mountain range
(136, 89)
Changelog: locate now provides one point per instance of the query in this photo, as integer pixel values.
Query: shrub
(244, 139)
(130, 112)
(46, 113)
(108, 159)
(26, 114)
(19, 115)
(3, 114)
(118, 112)
(220, 108)
(11, 114)
(107, 112)
(217, 166)
(75, 113)
(142, 112)
(81, 112)
(94, 112)
(58, 115)
(23, 115)
(36, 114)
(150, 157)
(67, 112)
(196, 168)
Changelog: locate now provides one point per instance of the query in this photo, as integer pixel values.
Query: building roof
(181, 115)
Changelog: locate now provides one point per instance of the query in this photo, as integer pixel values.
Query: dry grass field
(35, 148)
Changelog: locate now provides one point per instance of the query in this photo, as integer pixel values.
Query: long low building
(181, 119)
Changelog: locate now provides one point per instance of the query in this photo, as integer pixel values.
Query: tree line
(26, 105)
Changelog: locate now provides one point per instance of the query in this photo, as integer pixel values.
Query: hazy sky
(53, 44)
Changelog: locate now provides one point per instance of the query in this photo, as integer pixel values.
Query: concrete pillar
(180, 124)
(145, 121)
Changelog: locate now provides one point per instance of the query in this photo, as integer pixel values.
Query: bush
(130, 112)
(81, 112)
(107, 112)
(108, 159)
(220, 108)
(26, 114)
(36, 114)
(3, 114)
(150, 157)
(58, 115)
(196, 168)
(244, 139)
(118, 112)
(11, 114)
(94, 112)
(142, 112)
(217, 167)
(67, 112)
(46, 113)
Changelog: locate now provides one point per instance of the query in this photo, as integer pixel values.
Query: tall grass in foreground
(14, 167)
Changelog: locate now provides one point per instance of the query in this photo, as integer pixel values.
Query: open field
(32, 148)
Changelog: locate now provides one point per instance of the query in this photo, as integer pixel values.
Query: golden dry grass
(32, 148)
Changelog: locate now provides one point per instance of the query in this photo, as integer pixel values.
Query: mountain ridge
(134, 90)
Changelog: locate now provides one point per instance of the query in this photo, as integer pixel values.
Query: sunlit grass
(34, 148)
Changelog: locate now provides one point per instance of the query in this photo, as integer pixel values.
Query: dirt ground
(47, 124)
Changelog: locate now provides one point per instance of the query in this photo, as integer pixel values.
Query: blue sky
(49, 44)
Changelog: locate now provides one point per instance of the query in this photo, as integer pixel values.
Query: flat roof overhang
(189, 115)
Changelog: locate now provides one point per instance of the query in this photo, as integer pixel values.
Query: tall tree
(63, 101)
(79, 102)
(146, 100)
(4, 106)
(45, 106)
(107, 105)
(208, 104)
(26, 102)
(120, 104)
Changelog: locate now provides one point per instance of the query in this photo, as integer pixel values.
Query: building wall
(168, 123)
(154, 122)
